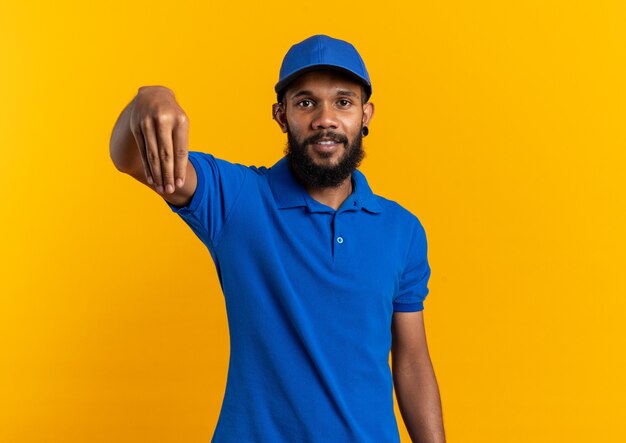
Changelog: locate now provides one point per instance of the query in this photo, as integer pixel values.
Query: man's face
(323, 117)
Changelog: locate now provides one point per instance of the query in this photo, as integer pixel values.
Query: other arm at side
(414, 379)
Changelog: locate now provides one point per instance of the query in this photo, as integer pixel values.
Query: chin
(327, 161)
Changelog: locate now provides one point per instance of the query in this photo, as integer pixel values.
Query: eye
(306, 103)
(344, 103)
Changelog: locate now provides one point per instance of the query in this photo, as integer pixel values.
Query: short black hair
(364, 97)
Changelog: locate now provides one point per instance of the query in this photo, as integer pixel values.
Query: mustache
(339, 138)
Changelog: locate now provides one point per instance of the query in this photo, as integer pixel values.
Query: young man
(321, 277)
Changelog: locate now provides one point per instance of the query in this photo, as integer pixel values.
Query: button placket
(339, 237)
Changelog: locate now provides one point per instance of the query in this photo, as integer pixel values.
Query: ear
(278, 114)
(368, 113)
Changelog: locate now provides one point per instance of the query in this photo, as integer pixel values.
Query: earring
(365, 131)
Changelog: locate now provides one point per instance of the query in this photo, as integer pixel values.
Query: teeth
(326, 143)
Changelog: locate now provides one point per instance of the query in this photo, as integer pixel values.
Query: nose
(325, 117)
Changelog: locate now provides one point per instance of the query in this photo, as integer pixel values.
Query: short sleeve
(413, 287)
(219, 185)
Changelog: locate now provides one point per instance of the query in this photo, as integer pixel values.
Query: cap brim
(282, 85)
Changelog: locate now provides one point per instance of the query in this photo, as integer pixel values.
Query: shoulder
(205, 159)
(399, 213)
(210, 166)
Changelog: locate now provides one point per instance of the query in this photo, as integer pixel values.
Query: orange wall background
(499, 124)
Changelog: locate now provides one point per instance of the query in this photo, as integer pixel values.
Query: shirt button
(339, 239)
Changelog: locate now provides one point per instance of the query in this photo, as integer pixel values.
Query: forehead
(324, 81)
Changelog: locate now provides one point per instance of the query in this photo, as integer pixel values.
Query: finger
(152, 152)
(166, 155)
(181, 144)
(141, 144)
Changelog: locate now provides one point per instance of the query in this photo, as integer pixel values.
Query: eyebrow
(339, 92)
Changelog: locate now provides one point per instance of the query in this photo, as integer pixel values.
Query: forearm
(419, 401)
(123, 147)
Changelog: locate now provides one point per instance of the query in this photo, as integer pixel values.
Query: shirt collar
(290, 193)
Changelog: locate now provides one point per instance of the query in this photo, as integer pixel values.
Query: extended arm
(414, 379)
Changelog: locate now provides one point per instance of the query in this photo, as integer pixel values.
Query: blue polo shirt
(309, 293)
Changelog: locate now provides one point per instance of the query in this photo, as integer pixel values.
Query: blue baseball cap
(322, 52)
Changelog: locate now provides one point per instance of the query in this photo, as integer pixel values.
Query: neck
(333, 197)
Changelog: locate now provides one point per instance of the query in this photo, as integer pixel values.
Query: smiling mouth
(326, 146)
(326, 142)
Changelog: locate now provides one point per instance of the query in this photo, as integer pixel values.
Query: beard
(313, 175)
